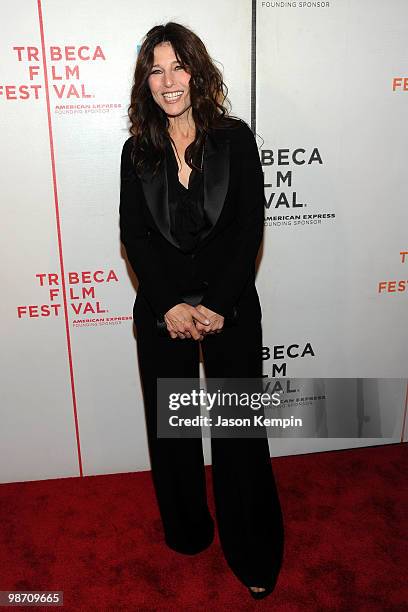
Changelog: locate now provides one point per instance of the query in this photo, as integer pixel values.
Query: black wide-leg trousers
(248, 511)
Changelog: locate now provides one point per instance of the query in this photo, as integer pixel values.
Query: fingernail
(207, 322)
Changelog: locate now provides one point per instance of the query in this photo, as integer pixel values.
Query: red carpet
(99, 540)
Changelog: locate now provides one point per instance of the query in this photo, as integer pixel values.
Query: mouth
(172, 96)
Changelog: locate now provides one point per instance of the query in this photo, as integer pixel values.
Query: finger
(181, 327)
(198, 316)
(194, 332)
(171, 327)
(191, 331)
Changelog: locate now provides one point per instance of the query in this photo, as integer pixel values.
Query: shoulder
(128, 146)
(237, 131)
(127, 158)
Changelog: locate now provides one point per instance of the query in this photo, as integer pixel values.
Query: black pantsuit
(247, 505)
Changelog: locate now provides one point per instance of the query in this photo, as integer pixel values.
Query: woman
(191, 220)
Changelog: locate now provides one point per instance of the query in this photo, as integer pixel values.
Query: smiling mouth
(172, 96)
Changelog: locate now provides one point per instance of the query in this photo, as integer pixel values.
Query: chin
(176, 112)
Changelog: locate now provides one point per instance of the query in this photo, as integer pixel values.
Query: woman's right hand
(180, 321)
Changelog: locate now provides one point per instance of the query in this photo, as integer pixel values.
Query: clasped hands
(186, 321)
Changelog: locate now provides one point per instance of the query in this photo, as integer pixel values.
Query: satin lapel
(155, 189)
(216, 179)
(216, 164)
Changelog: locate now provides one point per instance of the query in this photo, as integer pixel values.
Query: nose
(168, 81)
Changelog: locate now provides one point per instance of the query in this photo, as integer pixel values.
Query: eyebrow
(158, 65)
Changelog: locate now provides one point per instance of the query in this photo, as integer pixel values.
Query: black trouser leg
(248, 510)
(177, 464)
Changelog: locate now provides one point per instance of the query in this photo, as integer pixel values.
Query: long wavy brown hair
(208, 95)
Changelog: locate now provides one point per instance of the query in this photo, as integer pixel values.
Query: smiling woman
(169, 81)
(191, 219)
(175, 76)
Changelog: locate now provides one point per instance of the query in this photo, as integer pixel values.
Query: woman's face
(168, 81)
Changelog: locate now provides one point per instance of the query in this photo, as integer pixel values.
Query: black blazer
(234, 201)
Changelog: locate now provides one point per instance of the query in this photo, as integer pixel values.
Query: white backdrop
(330, 110)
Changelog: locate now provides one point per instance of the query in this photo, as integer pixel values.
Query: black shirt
(186, 206)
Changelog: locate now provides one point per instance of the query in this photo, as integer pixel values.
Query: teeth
(175, 94)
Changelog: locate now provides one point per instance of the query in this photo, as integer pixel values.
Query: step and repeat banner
(325, 87)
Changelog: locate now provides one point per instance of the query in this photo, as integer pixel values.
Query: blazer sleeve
(152, 272)
(239, 262)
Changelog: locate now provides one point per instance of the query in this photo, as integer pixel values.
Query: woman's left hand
(216, 321)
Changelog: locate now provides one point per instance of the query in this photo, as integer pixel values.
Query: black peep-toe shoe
(261, 594)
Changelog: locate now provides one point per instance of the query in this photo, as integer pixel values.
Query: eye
(156, 71)
(179, 66)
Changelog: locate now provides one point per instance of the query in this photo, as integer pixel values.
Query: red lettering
(70, 54)
(55, 53)
(19, 53)
(32, 53)
(34, 311)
